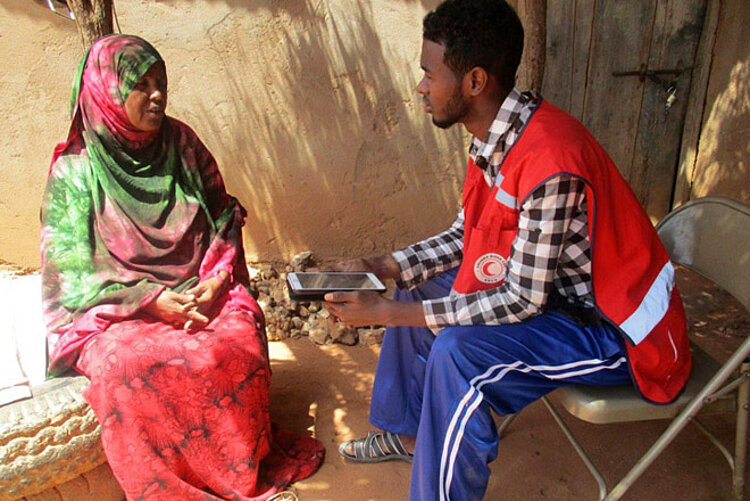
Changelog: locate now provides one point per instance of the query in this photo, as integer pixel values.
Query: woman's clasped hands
(190, 309)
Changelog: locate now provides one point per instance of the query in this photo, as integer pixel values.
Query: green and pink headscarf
(126, 213)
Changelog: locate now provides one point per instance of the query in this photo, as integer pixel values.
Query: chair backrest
(711, 235)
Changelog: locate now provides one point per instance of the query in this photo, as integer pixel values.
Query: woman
(145, 293)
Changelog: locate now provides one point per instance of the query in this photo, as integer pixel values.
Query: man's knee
(453, 342)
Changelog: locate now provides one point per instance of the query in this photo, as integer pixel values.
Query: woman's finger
(197, 316)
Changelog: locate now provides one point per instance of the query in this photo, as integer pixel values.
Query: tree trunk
(533, 14)
(93, 17)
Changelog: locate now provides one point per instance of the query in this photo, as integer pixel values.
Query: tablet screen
(335, 281)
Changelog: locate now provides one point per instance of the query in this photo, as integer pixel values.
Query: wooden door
(588, 43)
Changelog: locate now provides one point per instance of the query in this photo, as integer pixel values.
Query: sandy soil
(325, 389)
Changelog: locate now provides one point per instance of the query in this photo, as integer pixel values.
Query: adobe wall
(723, 160)
(309, 108)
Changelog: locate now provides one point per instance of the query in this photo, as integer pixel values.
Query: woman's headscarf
(126, 212)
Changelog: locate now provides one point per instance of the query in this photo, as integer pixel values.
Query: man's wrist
(385, 267)
(408, 313)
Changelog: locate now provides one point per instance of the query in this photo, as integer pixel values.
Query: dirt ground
(325, 390)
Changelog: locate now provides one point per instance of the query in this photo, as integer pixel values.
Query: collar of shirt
(513, 114)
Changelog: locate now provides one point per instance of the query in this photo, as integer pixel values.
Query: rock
(279, 294)
(253, 273)
(302, 261)
(268, 272)
(286, 318)
(342, 334)
(371, 337)
(264, 301)
(273, 333)
(319, 334)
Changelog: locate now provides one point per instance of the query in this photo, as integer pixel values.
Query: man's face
(440, 89)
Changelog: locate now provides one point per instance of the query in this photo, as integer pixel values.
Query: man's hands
(361, 308)
(191, 308)
(384, 267)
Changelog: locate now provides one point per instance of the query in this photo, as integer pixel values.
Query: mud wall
(309, 108)
(722, 164)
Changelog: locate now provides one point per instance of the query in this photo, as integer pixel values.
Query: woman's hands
(191, 308)
(207, 291)
(176, 309)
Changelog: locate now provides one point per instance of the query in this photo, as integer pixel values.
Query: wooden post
(93, 17)
(696, 107)
(533, 14)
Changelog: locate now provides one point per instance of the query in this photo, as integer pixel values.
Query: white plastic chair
(710, 236)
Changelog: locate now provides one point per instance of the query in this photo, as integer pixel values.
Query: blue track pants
(441, 388)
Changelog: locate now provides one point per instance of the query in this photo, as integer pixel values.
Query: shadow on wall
(723, 163)
(322, 137)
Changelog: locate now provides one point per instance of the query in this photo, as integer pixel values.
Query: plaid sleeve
(427, 258)
(544, 220)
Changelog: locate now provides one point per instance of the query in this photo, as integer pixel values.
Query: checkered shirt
(550, 255)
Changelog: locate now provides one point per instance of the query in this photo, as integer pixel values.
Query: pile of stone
(293, 319)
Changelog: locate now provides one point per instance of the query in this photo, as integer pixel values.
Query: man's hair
(484, 33)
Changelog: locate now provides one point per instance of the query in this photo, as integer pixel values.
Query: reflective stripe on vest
(653, 307)
(503, 197)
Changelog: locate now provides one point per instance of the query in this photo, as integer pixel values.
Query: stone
(319, 335)
(268, 272)
(273, 333)
(342, 334)
(302, 261)
(280, 295)
(286, 318)
(371, 336)
(253, 273)
(264, 301)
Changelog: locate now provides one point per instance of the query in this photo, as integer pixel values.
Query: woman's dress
(125, 216)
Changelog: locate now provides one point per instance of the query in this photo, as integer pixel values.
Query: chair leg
(740, 443)
(504, 425)
(579, 449)
(737, 359)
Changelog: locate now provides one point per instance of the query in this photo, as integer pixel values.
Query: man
(552, 274)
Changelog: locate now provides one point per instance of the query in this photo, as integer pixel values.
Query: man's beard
(455, 110)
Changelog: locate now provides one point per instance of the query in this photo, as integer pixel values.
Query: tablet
(312, 286)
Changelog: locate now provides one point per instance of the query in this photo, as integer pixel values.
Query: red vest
(633, 279)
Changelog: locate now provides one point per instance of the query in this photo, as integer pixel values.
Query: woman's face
(147, 102)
